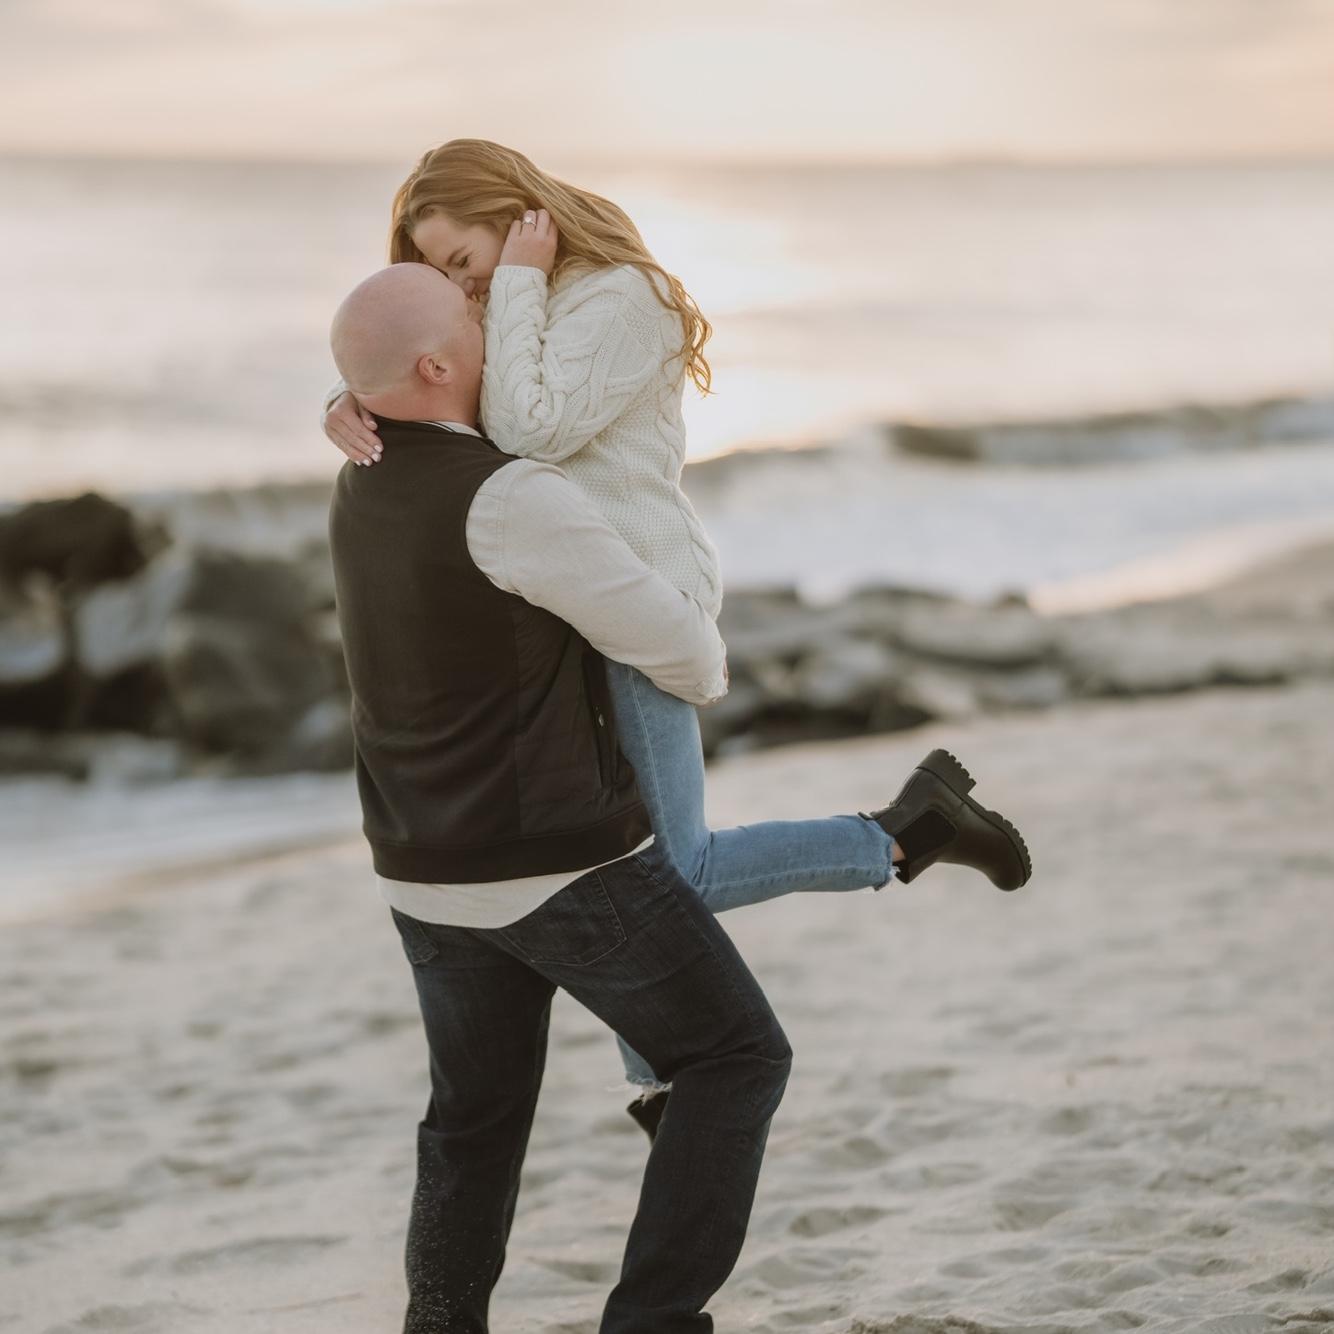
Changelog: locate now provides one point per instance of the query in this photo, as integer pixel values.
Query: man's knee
(774, 1047)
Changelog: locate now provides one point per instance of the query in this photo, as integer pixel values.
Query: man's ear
(433, 370)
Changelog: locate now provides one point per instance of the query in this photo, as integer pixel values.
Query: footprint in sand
(798, 1267)
(807, 1317)
(1018, 1214)
(256, 1250)
(150, 1318)
(857, 1151)
(821, 1222)
(599, 1272)
(912, 1082)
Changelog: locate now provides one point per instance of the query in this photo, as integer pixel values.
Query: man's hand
(531, 242)
(353, 430)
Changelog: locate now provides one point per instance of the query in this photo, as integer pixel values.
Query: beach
(1103, 1102)
(1048, 481)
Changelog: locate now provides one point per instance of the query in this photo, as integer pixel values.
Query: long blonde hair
(476, 181)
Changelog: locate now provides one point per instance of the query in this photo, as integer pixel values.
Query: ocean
(166, 329)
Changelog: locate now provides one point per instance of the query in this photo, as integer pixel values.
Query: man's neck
(422, 408)
(454, 426)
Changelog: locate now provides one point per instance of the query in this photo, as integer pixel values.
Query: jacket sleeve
(549, 387)
(535, 533)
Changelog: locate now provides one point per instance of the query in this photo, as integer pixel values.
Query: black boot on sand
(934, 820)
(647, 1111)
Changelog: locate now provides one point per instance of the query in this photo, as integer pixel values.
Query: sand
(1104, 1102)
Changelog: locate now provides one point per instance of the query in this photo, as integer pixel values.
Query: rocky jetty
(148, 640)
(1130, 436)
(112, 631)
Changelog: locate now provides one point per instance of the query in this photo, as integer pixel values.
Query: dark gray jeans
(634, 944)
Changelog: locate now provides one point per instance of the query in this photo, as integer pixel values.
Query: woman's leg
(728, 868)
(659, 735)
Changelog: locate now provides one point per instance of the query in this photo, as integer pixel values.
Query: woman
(588, 343)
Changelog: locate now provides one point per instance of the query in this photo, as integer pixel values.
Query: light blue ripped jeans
(659, 735)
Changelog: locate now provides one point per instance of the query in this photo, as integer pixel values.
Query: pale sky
(694, 79)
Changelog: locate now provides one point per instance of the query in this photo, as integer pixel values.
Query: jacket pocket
(599, 708)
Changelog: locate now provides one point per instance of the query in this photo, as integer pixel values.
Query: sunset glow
(350, 79)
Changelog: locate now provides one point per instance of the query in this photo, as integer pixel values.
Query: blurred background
(1024, 412)
(1024, 331)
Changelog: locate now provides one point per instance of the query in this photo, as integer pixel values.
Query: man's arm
(533, 532)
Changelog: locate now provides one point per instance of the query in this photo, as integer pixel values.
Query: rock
(123, 625)
(24, 751)
(248, 588)
(1001, 636)
(315, 567)
(80, 543)
(36, 681)
(1163, 648)
(321, 739)
(327, 635)
(1155, 432)
(847, 674)
(239, 686)
(32, 640)
(783, 632)
(91, 757)
(732, 714)
(935, 691)
(1028, 688)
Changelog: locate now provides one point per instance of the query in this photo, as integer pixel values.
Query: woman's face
(466, 256)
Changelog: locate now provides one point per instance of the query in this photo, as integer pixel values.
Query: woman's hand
(353, 430)
(531, 242)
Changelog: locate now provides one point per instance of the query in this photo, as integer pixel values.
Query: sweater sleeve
(551, 386)
(534, 533)
(339, 388)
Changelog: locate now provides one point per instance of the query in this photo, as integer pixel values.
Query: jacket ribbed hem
(573, 850)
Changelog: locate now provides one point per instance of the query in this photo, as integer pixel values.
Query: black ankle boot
(647, 1111)
(934, 820)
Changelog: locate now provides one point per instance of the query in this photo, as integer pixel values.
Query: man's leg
(638, 948)
(486, 1016)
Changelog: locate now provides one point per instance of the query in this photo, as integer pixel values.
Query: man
(478, 593)
(507, 830)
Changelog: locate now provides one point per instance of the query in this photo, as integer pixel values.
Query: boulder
(1027, 688)
(321, 739)
(241, 685)
(111, 758)
(36, 681)
(845, 674)
(248, 588)
(79, 543)
(32, 640)
(1002, 636)
(1157, 649)
(932, 690)
(732, 714)
(124, 625)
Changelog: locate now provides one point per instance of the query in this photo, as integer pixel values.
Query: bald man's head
(394, 318)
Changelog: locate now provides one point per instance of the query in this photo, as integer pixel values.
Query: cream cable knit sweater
(576, 374)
